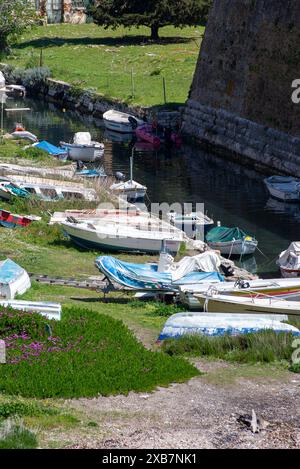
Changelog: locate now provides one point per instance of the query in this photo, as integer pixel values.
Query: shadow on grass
(106, 300)
(44, 42)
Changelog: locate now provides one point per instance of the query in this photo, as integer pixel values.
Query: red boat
(10, 220)
(147, 133)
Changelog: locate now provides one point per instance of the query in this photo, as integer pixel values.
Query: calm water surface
(232, 194)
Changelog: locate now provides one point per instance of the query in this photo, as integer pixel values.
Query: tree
(15, 16)
(154, 14)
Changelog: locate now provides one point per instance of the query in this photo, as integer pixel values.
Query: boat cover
(290, 257)
(220, 324)
(146, 277)
(222, 234)
(208, 261)
(49, 148)
(18, 191)
(82, 138)
(9, 271)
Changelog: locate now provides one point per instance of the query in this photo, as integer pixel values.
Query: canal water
(232, 194)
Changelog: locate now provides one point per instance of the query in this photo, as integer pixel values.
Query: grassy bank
(14, 152)
(119, 63)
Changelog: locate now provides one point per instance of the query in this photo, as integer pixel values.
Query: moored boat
(193, 224)
(14, 280)
(286, 188)
(289, 261)
(120, 121)
(231, 241)
(83, 148)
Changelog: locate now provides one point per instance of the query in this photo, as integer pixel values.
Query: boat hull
(118, 127)
(235, 248)
(83, 153)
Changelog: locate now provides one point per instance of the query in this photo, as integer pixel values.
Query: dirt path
(201, 413)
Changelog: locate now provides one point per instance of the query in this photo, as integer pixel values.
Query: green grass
(12, 151)
(103, 60)
(17, 436)
(262, 347)
(87, 354)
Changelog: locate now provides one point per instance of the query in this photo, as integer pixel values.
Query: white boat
(120, 121)
(231, 241)
(14, 280)
(289, 261)
(286, 188)
(260, 288)
(122, 238)
(16, 90)
(193, 224)
(45, 308)
(83, 148)
(131, 190)
(220, 324)
(217, 302)
(24, 135)
(46, 189)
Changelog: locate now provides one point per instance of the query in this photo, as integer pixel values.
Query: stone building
(62, 11)
(241, 96)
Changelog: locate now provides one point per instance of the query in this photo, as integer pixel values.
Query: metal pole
(132, 83)
(131, 165)
(164, 89)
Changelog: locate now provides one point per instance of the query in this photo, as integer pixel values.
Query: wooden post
(41, 57)
(164, 90)
(132, 83)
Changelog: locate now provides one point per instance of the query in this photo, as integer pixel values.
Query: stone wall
(240, 98)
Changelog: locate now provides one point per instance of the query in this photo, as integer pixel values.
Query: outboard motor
(120, 176)
(133, 122)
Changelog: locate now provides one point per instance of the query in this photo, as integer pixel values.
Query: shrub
(16, 436)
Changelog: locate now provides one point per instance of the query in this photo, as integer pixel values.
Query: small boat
(14, 280)
(146, 133)
(51, 149)
(144, 277)
(120, 121)
(17, 91)
(193, 224)
(121, 238)
(219, 302)
(45, 308)
(218, 324)
(45, 189)
(231, 241)
(289, 261)
(91, 173)
(286, 188)
(24, 135)
(131, 190)
(83, 148)
(11, 220)
(275, 288)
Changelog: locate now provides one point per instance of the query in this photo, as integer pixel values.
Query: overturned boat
(12, 220)
(220, 324)
(14, 280)
(45, 308)
(83, 148)
(289, 261)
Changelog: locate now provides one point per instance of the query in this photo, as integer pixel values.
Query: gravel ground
(201, 413)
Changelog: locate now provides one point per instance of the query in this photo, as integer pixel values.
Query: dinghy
(289, 261)
(217, 302)
(286, 188)
(121, 238)
(21, 133)
(13, 279)
(51, 189)
(120, 121)
(231, 241)
(193, 224)
(146, 133)
(11, 220)
(144, 277)
(131, 190)
(45, 308)
(9, 190)
(91, 173)
(212, 325)
(17, 91)
(83, 148)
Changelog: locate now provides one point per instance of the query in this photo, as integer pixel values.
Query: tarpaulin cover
(49, 148)
(224, 234)
(146, 277)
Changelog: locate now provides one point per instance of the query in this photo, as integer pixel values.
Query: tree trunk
(154, 32)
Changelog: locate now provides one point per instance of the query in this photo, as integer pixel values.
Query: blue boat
(145, 277)
(91, 173)
(13, 279)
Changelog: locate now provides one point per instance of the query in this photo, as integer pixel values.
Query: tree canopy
(15, 16)
(154, 14)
